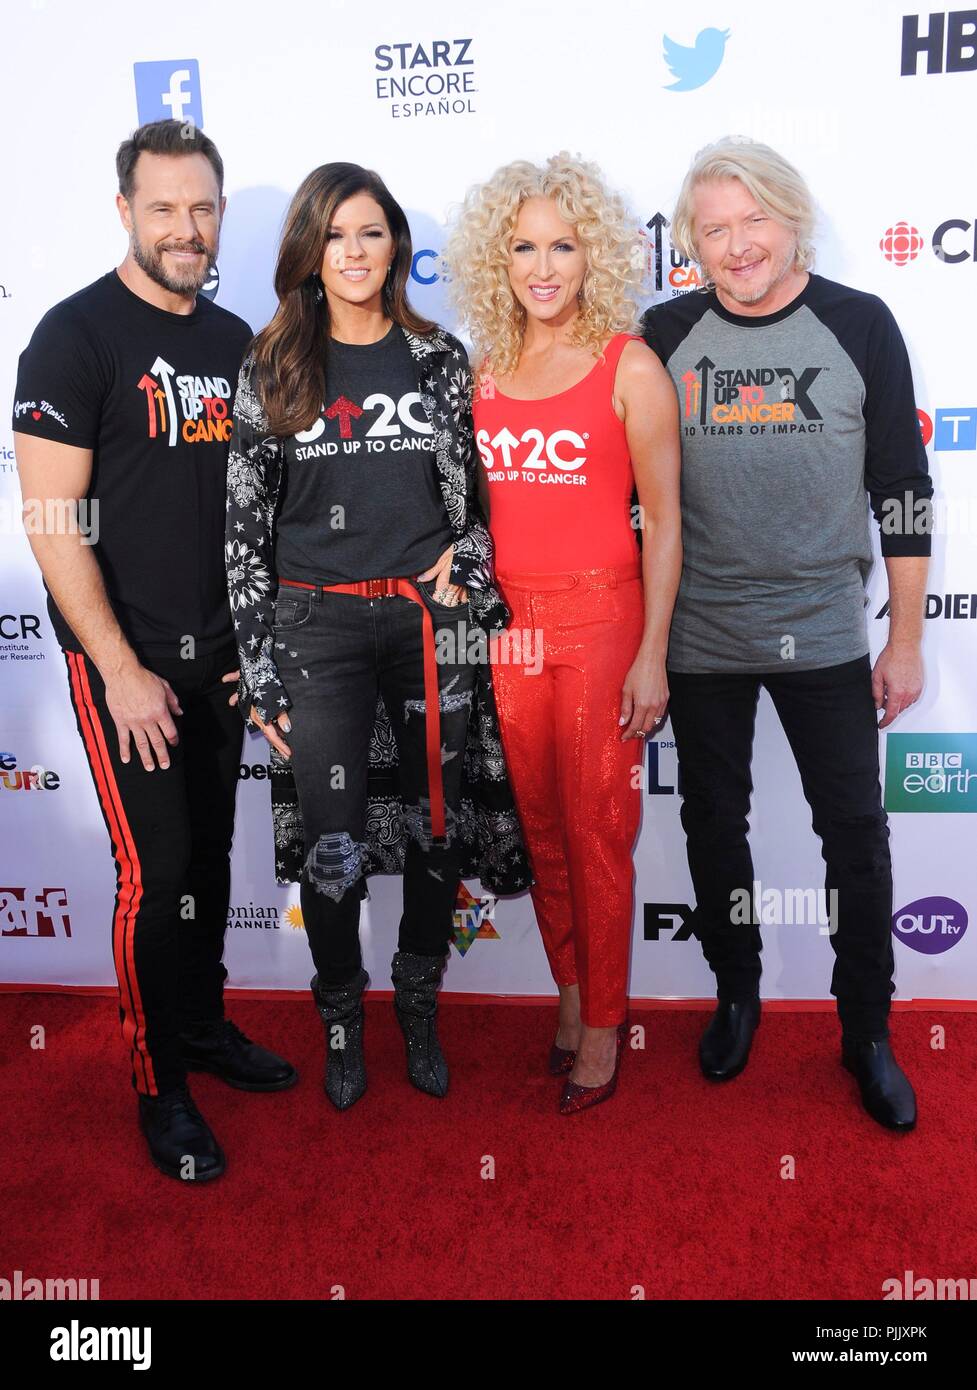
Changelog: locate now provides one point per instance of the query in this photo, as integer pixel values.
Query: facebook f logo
(168, 91)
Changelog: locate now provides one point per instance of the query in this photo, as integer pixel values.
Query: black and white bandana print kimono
(489, 825)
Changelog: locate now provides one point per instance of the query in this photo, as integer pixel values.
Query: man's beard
(750, 296)
(186, 280)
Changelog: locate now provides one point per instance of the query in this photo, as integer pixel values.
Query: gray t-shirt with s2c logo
(791, 423)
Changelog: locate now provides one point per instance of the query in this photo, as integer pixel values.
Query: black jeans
(336, 653)
(171, 837)
(830, 720)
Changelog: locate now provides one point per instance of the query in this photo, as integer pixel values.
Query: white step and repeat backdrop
(435, 96)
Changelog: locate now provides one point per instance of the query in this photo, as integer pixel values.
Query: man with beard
(123, 414)
(796, 400)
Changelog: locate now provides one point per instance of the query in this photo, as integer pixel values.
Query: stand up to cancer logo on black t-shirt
(150, 393)
(190, 408)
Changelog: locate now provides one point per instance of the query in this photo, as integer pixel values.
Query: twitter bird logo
(694, 66)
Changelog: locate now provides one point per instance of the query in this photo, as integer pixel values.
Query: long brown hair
(289, 353)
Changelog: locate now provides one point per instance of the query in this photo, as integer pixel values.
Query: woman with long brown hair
(355, 544)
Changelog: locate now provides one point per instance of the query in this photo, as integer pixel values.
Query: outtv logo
(930, 925)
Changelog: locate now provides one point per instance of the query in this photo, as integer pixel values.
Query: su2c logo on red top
(534, 457)
(186, 409)
(763, 400)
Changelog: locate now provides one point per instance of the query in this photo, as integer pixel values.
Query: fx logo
(168, 91)
(664, 916)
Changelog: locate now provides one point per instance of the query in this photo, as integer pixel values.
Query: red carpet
(674, 1185)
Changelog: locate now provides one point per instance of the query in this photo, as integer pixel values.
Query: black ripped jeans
(336, 653)
(830, 720)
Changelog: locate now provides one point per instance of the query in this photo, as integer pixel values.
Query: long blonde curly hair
(475, 258)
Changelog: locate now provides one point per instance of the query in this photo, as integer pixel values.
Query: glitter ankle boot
(416, 980)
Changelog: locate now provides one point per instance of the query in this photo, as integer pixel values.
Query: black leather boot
(221, 1048)
(180, 1140)
(416, 980)
(341, 1011)
(725, 1046)
(887, 1094)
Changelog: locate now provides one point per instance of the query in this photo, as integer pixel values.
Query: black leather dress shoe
(887, 1094)
(725, 1046)
(220, 1047)
(180, 1140)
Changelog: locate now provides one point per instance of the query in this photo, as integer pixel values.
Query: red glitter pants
(558, 672)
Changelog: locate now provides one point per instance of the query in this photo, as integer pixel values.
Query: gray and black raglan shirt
(790, 423)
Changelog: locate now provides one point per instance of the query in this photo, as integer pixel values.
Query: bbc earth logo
(931, 772)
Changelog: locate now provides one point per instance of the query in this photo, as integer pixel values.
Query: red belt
(380, 588)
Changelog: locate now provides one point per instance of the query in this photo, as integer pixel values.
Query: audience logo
(949, 606)
(949, 42)
(168, 90)
(26, 913)
(693, 67)
(434, 78)
(931, 772)
(930, 925)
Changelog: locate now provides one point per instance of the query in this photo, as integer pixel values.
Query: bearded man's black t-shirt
(150, 393)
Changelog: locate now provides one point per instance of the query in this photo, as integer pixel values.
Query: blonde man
(796, 397)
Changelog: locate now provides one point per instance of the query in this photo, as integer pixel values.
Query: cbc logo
(901, 243)
(557, 447)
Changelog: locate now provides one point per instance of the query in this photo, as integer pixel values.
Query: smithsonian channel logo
(931, 772)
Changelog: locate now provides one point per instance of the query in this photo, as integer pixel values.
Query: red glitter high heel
(576, 1098)
(561, 1059)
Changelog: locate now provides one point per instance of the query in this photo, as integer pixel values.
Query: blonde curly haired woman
(573, 413)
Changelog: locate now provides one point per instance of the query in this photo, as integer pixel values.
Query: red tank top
(559, 475)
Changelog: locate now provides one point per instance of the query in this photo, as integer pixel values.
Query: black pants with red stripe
(171, 836)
